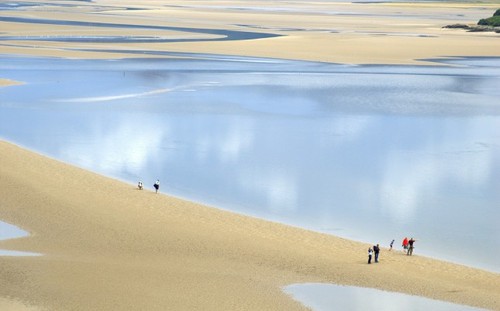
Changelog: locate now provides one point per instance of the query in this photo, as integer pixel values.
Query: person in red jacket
(405, 245)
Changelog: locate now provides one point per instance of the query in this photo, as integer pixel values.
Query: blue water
(371, 153)
(326, 297)
(218, 34)
(8, 231)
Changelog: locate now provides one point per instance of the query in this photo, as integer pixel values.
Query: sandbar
(337, 32)
(108, 246)
(7, 82)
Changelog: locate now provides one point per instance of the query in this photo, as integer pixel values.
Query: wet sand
(108, 246)
(339, 32)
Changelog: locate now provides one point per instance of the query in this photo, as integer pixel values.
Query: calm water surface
(326, 297)
(371, 153)
(8, 231)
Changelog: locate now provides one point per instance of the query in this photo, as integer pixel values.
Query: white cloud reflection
(114, 97)
(349, 128)
(226, 141)
(278, 189)
(411, 177)
(402, 184)
(237, 140)
(121, 147)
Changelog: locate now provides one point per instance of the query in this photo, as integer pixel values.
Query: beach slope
(108, 246)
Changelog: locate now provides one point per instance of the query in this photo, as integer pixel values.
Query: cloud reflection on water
(323, 297)
(412, 176)
(125, 145)
(371, 153)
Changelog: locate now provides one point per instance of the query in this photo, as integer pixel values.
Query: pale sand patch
(7, 82)
(13, 305)
(109, 246)
(369, 33)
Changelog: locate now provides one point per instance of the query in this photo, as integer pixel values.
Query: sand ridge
(108, 246)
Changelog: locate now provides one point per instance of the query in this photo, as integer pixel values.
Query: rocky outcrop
(474, 28)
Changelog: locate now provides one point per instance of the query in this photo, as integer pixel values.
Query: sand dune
(108, 246)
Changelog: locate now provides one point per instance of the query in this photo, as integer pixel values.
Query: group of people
(374, 251)
(371, 252)
(408, 246)
(156, 185)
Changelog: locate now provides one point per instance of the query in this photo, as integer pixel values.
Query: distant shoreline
(333, 32)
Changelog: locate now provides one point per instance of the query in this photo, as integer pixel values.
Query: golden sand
(6, 82)
(357, 33)
(108, 246)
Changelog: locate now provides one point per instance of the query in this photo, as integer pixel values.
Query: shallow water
(372, 153)
(325, 297)
(219, 34)
(8, 231)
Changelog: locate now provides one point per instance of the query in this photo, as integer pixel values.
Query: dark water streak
(227, 35)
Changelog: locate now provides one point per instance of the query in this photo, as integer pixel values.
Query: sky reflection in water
(370, 153)
(8, 231)
(326, 297)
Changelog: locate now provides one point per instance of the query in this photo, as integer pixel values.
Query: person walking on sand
(405, 245)
(139, 185)
(410, 247)
(157, 185)
(390, 246)
(376, 250)
(370, 253)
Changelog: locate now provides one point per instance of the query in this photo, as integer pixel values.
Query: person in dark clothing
(370, 253)
(376, 250)
(157, 185)
(410, 247)
(392, 243)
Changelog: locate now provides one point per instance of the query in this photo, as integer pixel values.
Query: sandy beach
(107, 246)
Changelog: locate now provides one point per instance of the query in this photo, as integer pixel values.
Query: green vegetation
(493, 21)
